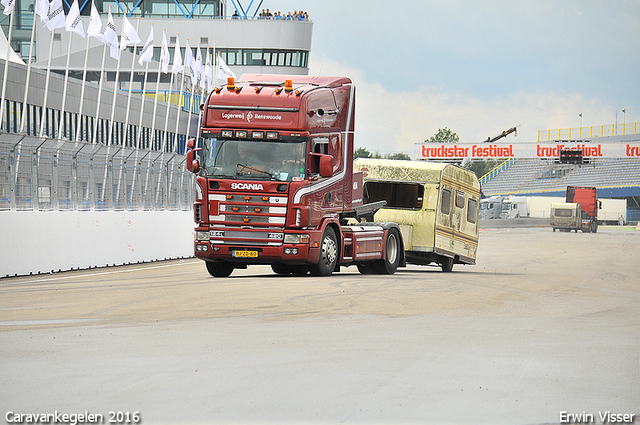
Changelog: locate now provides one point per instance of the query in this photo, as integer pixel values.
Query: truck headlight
(202, 235)
(296, 238)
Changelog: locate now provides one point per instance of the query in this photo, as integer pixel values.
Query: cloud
(394, 120)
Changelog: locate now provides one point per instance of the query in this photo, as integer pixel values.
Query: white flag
(147, 51)
(73, 20)
(164, 53)
(55, 15)
(199, 68)
(223, 70)
(42, 10)
(8, 6)
(129, 35)
(111, 37)
(177, 58)
(190, 62)
(208, 76)
(95, 28)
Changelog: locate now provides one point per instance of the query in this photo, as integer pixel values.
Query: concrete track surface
(545, 325)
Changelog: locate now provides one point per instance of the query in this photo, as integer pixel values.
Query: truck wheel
(446, 264)
(594, 227)
(328, 254)
(219, 269)
(389, 264)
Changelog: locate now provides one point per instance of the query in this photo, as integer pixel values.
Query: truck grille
(247, 219)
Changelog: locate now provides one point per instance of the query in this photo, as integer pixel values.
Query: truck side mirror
(192, 164)
(326, 166)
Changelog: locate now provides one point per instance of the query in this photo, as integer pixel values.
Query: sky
(477, 67)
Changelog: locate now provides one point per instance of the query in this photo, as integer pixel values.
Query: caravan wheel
(446, 263)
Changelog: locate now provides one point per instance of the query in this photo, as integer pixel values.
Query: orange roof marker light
(231, 85)
(288, 86)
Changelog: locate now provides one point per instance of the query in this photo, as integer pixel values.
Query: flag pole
(155, 100)
(6, 71)
(142, 100)
(64, 90)
(215, 66)
(143, 97)
(99, 34)
(26, 88)
(95, 124)
(133, 64)
(46, 85)
(181, 91)
(115, 92)
(205, 92)
(84, 80)
(166, 120)
(193, 95)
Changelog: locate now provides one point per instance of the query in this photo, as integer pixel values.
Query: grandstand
(614, 178)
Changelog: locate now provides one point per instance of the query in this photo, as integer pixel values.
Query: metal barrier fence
(57, 175)
(588, 132)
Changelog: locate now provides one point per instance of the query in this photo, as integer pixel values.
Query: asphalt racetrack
(546, 325)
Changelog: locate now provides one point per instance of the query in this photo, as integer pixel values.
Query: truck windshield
(255, 160)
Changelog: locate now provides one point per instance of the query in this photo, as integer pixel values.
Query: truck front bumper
(285, 253)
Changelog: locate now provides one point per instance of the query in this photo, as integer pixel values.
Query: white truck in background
(612, 210)
(514, 207)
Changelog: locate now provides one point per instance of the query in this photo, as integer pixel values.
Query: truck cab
(514, 207)
(275, 182)
(491, 208)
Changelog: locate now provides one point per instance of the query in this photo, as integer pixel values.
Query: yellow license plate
(245, 254)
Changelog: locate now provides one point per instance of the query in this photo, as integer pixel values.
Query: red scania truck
(275, 181)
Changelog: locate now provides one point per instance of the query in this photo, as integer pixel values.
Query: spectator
(235, 15)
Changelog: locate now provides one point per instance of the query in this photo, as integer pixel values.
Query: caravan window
(472, 210)
(445, 205)
(398, 195)
(459, 199)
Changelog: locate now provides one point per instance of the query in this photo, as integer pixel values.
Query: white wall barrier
(42, 242)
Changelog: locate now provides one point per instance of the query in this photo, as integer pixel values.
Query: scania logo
(247, 186)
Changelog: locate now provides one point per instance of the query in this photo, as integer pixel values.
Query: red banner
(524, 150)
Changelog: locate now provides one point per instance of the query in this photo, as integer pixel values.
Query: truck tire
(446, 263)
(219, 269)
(328, 254)
(389, 264)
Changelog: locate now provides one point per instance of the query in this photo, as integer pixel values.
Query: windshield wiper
(243, 166)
